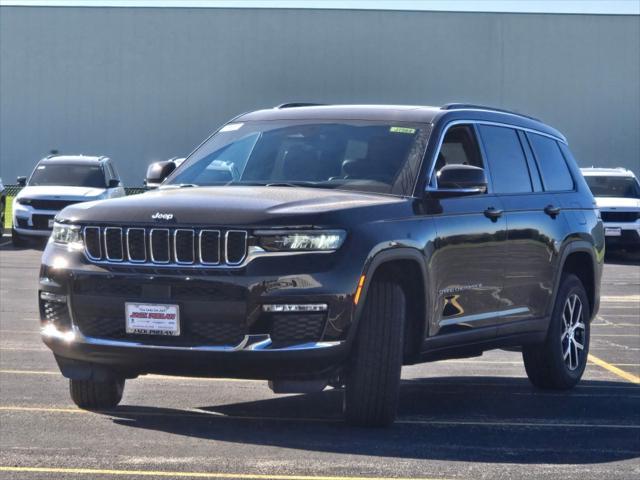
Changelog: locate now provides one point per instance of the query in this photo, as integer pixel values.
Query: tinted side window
(553, 167)
(506, 160)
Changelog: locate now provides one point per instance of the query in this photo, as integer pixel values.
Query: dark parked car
(330, 245)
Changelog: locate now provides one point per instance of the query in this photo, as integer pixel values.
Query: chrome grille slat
(240, 237)
(205, 254)
(157, 249)
(133, 235)
(187, 236)
(92, 243)
(113, 248)
(166, 246)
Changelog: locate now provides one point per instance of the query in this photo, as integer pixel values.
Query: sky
(611, 7)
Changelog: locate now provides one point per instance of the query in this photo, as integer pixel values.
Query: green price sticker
(402, 130)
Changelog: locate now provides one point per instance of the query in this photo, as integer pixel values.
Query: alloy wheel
(573, 332)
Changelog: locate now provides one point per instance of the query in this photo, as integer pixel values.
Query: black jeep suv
(330, 245)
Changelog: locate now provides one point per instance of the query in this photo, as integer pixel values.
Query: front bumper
(227, 333)
(622, 234)
(255, 357)
(29, 221)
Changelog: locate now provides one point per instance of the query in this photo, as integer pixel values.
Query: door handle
(552, 211)
(493, 213)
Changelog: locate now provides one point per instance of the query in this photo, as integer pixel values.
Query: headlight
(322, 240)
(66, 234)
(23, 201)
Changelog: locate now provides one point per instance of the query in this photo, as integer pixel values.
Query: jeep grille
(165, 246)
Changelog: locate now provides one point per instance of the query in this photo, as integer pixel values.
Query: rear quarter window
(553, 166)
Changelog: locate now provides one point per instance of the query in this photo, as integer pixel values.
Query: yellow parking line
(615, 370)
(30, 372)
(620, 298)
(23, 349)
(43, 409)
(160, 473)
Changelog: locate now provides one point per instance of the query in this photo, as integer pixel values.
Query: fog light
(51, 331)
(53, 297)
(295, 307)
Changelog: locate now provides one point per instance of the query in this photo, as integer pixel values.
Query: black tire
(546, 364)
(372, 380)
(17, 240)
(92, 395)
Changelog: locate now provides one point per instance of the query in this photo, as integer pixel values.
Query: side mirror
(21, 181)
(113, 183)
(158, 171)
(459, 180)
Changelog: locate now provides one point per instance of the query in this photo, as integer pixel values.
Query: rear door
(468, 258)
(534, 225)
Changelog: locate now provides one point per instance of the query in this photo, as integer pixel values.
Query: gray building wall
(144, 84)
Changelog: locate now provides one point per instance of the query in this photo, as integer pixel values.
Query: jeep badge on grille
(162, 216)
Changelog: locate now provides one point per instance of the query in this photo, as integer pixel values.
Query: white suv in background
(617, 193)
(56, 182)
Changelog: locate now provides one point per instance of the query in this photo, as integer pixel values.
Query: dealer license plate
(152, 319)
(613, 232)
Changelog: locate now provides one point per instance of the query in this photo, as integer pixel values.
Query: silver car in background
(617, 194)
(56, 182)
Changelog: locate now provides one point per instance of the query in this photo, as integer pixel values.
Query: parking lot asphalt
(460, 419)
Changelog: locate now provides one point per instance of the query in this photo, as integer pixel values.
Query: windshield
(70, 175)
(623, 187)
(354, 155)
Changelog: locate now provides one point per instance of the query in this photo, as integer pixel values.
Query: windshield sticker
(402, 130)
(230, 127)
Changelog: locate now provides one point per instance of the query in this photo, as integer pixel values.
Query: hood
(60, 193)
(228, 206)
(616, 203)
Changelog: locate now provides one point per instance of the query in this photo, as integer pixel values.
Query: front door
(468, 258)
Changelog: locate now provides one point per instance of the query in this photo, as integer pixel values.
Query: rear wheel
(90, 395)
(559, 362)
(372, 380)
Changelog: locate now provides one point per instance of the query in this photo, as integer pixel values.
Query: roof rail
(299, 104)
(460, 106)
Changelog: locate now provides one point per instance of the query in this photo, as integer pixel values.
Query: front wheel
(372, 380)
(559, 362)
(92, 395)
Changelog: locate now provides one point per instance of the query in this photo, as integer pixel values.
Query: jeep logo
(162, 216)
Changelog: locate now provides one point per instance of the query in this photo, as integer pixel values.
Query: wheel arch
(406, 266)
(579, 259)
